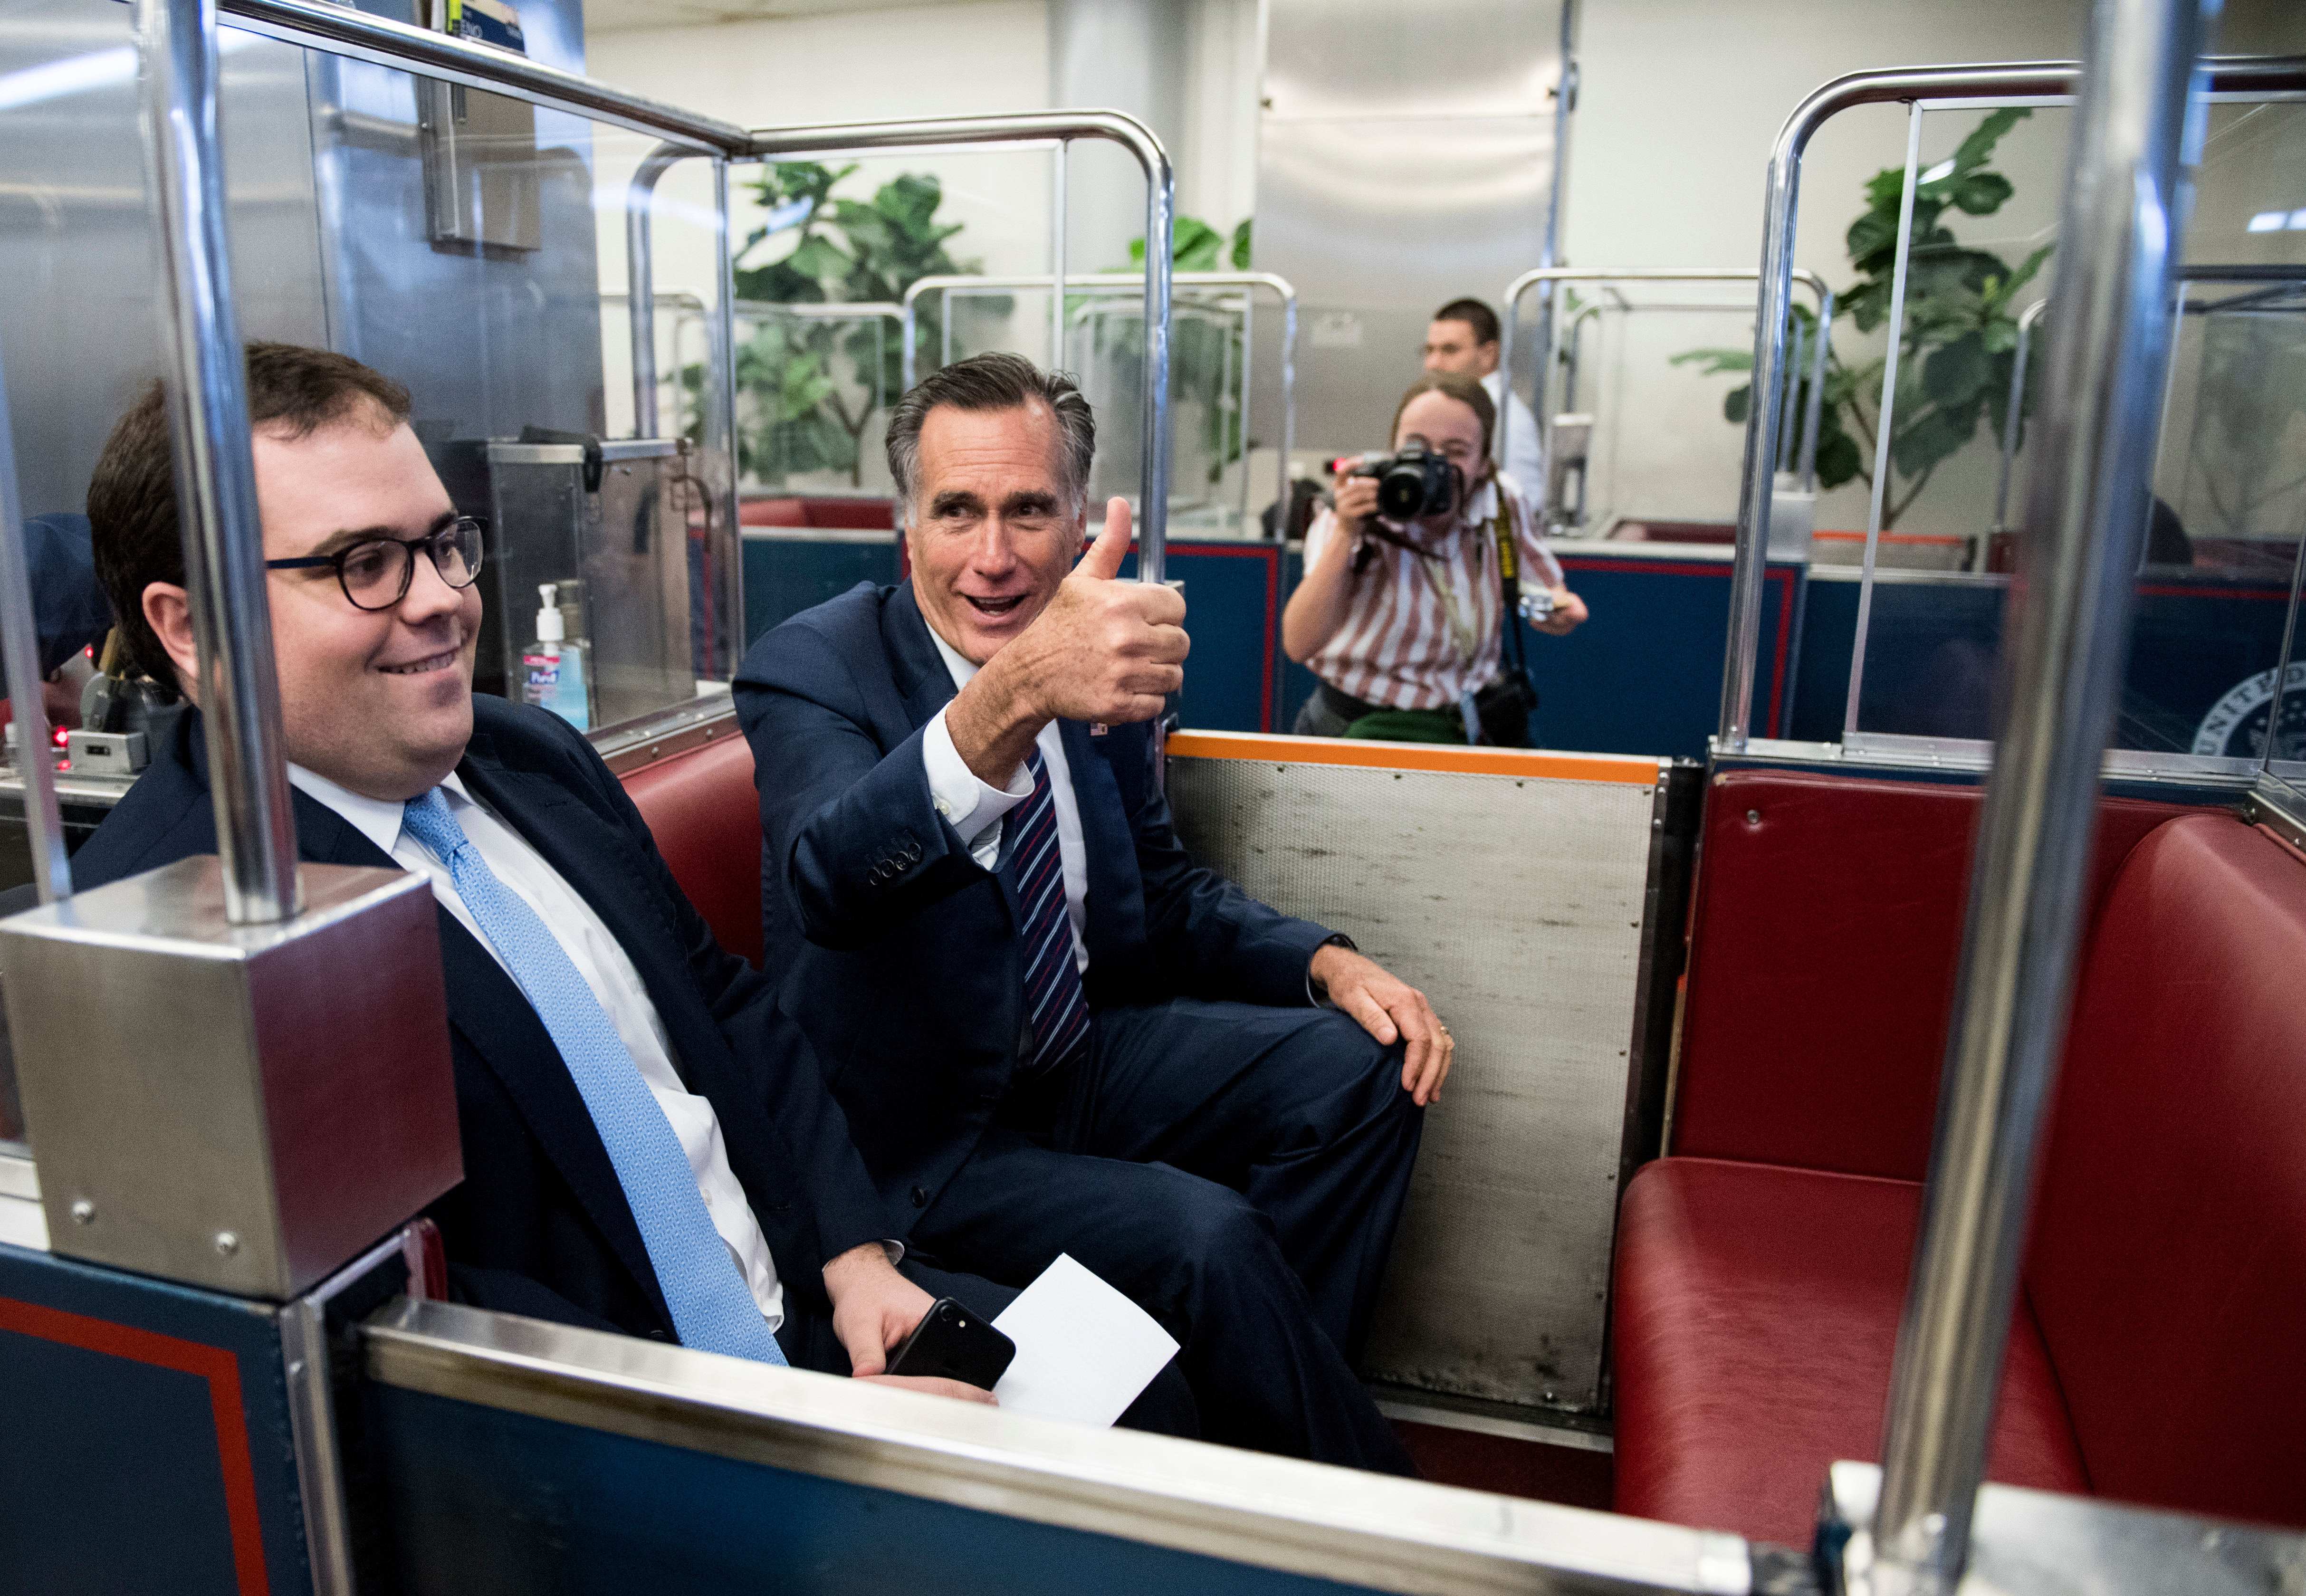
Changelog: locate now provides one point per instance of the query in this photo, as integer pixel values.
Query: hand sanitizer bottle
(553, 666)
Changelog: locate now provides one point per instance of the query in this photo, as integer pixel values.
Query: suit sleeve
(783, 1069)
(1211, 939)
(852, 836)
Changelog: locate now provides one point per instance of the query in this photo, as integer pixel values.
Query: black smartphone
(954, 1343)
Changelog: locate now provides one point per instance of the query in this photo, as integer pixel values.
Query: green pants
(1409, 726)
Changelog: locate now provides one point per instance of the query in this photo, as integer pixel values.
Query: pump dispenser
(554, 664)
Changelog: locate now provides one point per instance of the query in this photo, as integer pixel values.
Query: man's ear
(1488, 354)
(169, 613)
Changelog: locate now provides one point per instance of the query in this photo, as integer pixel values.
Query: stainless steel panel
(1367, 1531)
(1515, 904)
(1406, 157)
(75, 243)
(241, 1107)
(627, 541)
(1349, 59)
(480, 169)
(2039, 1541)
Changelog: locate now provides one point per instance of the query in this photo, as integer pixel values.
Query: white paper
(1084, 1350)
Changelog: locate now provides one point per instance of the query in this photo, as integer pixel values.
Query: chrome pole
(640, 278)
(2108, 348)
(1057, 257)
(20, 653)
(237, 690)
(1287, 499)
(718, 423)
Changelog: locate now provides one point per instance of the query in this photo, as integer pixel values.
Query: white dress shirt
(606, 969)
(1524, 459)
(975, 809)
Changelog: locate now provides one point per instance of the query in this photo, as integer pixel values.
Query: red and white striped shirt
(1421, 628)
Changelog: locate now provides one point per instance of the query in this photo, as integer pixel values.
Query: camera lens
(1401, 491)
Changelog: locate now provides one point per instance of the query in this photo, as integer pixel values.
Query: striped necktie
(1055, 1006)
(711, 1306)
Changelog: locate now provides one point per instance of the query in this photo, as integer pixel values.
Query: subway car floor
(1509, 1465)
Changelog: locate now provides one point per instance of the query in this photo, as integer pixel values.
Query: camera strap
(1509, 580)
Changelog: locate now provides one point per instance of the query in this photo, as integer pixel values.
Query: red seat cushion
(707, 819)
(1755, 1316)
(773, 512)
(2168, 1268)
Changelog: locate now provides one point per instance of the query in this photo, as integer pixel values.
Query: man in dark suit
(648, 1145)
(964, 841)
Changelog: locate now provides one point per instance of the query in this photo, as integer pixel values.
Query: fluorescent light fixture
(97, 69)
(2298, 221)
(1943, 169)
(2269, 221)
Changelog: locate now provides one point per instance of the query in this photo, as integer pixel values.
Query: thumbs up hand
(1103, 650)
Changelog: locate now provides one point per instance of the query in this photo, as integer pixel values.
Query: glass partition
(1923, 621)
(468, 245)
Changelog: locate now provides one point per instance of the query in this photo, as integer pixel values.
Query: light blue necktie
(711, 1306)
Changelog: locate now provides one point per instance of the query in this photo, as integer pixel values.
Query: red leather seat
(2168, 1268)
(2154, 1353)
(1755, 1317)
(705, 817)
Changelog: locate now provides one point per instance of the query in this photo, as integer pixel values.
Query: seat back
(2168, 1263)
(705, 817)
(1823, 943)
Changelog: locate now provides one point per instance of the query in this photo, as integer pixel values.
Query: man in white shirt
(1463, 337)
(648, 1145)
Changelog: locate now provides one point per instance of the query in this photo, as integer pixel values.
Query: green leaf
(1982, 193)
(1978, 149)
(1736, 405)
(817, 258)
(1241, 245)
(1717, 360)
(1837, 458)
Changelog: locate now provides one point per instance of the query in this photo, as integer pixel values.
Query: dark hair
(1466, 390)
(131, 497)
(1474, 314)
(985, 382)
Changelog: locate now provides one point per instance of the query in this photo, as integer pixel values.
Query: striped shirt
(1421, 628)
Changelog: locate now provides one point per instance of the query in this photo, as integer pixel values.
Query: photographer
(1399, 613)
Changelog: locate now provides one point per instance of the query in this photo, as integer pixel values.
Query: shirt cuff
(971, 805)
(1335, 939)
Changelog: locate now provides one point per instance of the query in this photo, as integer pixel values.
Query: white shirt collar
(955, 660)
(377, 819)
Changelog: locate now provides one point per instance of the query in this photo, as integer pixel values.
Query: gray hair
(987, 383)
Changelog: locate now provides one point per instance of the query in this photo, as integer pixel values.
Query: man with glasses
(648, 1145)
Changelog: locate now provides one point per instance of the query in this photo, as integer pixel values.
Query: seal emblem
(2236, 726)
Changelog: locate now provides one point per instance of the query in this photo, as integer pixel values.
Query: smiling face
(1447, 426)
(993, 528)
(377, 701)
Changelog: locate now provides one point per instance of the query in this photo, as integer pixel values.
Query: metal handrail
(342, 31)
(2027, 80)
(2068, 635)
(1160, 239)
(238, 689)
(1656, 274)
(1280, 286)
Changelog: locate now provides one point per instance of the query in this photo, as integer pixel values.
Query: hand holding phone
(954, 1343)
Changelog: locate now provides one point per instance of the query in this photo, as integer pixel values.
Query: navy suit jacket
(539, 1224)
(899, 953)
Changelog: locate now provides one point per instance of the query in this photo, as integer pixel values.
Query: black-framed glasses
(375, 574)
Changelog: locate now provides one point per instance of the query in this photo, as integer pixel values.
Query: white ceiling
(625, 16)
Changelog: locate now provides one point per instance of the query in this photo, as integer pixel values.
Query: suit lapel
(918, 669)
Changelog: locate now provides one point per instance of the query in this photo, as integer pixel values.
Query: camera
(1416, 482)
